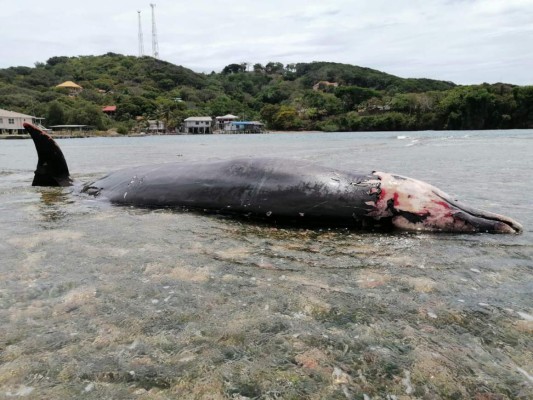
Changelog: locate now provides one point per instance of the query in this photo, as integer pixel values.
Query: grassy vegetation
(280, 95)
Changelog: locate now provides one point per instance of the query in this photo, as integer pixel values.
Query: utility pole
(141, 40)
(155, 45)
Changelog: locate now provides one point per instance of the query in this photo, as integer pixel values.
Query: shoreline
(82, 136)
(114, 134)
(75, 136)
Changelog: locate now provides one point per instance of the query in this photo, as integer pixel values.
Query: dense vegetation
(280, 95)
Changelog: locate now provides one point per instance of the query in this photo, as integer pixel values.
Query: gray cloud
(466, 41)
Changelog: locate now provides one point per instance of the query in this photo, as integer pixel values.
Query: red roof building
(109, 109)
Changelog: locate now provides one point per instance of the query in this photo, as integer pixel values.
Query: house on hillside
(11, 122)
(196, 125)
(109, 110)
(72, 88)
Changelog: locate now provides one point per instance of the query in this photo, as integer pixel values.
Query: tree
(290, 67)
(287, 118)
(233, 69)
(56, 114)
(325, 103)
(268, 113)
(87, 114)
(405, 103)
(471, 107)
(524, 106)
(223, 105)
(281, 117)
(274, 68)
(352, 96)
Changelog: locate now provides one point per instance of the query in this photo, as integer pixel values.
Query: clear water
(102, 301)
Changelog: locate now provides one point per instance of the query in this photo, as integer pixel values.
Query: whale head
(418, 206)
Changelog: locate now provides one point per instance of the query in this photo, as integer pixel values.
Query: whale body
(279, 191)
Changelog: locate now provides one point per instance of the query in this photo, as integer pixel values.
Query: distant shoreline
(100, 134)
(76, 136)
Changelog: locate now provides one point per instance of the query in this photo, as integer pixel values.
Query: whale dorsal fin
(52, 169)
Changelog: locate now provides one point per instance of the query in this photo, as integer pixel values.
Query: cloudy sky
(464, 41)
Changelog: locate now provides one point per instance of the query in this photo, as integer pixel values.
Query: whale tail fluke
(52, 169)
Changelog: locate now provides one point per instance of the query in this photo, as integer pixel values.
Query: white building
(224, 121)
(244, 127)
(11, 122)
(155, 126)
(197, 125)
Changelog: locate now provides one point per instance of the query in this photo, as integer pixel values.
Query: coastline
(114, 134)
(73, 136)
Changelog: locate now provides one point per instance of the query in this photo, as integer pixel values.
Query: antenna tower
(141, 40)
(155, 45)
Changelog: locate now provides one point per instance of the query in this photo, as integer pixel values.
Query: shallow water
(99, 301)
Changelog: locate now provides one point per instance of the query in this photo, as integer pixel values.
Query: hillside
(307, 96)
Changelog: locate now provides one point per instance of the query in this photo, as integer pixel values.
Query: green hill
(307, 96)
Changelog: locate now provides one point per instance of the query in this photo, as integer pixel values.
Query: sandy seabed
(108, 302)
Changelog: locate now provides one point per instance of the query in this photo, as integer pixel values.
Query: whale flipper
(52, 169)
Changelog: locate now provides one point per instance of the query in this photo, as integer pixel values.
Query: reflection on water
(53, 203)
(99, 302)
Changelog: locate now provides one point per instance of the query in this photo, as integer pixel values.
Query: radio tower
(155, 45)
(141, 40)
